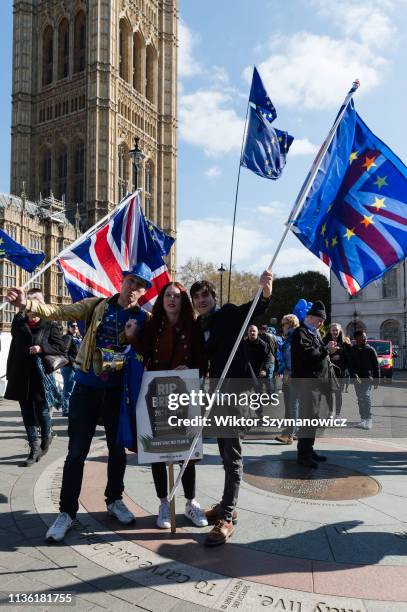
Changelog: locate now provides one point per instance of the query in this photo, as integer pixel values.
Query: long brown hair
(186, 315)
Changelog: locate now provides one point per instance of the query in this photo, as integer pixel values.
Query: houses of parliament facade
(89, 77)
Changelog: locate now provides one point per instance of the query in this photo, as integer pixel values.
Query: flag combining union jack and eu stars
(355, 215)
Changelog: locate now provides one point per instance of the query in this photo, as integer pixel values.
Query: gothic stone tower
(89, 76)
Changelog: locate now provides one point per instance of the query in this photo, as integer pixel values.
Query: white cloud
(219, 75)
(209, 239)
(207, 119)
(213, 171)
(314, 72)
(298, 259)
(187, 64)
(367, 22)
(302, 146)
(275, 209)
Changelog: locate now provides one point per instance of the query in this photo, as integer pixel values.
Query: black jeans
(159, 471)
(35, 414)
(230, 450)
(85, 407)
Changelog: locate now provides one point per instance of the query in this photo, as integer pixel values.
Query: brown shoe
(284, 439)
(220, 533)
(215, 514)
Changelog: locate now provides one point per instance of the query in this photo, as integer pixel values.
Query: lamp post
(137, 155)
(355, 319)
(221, 270)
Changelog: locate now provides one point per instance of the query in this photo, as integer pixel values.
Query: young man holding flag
(94, 396)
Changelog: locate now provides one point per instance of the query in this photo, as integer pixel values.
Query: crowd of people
(183, 331)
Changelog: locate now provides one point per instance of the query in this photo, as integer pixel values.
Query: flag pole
(236, 195)
(294, 214)
(71, 246)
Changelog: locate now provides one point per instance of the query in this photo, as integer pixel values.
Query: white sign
(166, 419)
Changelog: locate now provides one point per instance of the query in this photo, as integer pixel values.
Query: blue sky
(308, 53)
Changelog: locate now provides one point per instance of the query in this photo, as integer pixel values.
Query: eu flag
(265, 147)
(163, 241)
(17, 254)
(259, 97)
(355, 215)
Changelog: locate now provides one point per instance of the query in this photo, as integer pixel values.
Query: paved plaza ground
(334, 539)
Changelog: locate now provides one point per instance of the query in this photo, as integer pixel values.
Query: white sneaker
(362, 424)
(164, 516)
(58, 529)
(121, 512)
(195, 514)
(368, 423)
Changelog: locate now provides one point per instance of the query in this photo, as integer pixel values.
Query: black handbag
(54, 362)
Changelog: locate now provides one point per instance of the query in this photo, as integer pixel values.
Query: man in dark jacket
(311, 375)
(32, 337)
(364, 369)
(221, 327)
(270, 366)
(257, 351)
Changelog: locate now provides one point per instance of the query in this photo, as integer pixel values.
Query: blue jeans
(68, 374)
(86, 406)
(35, 414)
(363, 393)
(270, 381)
(291, 407)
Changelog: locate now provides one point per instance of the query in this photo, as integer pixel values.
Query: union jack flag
(93, 268)
(355, 216)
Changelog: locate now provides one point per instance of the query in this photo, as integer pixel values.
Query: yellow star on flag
(354, 155)
(334, 241)
(323, 229)
(329, 207)
(349, 233)
(369, 163)
(327, 243)
(1, 240)
(380, 181)
(379, 203)
(367, 221)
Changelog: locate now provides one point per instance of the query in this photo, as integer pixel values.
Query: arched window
(79, 172)
(354, 325)
(79, 59)
(389, 284)
(148, 188)
(124, 38)
(45, 172)
(122, 170)
(62, 171)
(390, 330)
(47, 55)
(63, 49)
(150, 74)
(138, 48)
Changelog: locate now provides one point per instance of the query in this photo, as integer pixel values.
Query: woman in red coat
(172, 340)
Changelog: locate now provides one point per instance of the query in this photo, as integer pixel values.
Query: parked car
(385, 355)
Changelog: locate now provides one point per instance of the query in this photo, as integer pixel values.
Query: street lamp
(222, 269)
(137, 156)
(355, 319)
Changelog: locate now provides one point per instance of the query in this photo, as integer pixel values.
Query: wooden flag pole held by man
(295, 212)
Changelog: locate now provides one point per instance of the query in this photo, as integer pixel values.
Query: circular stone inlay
(328, 482)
